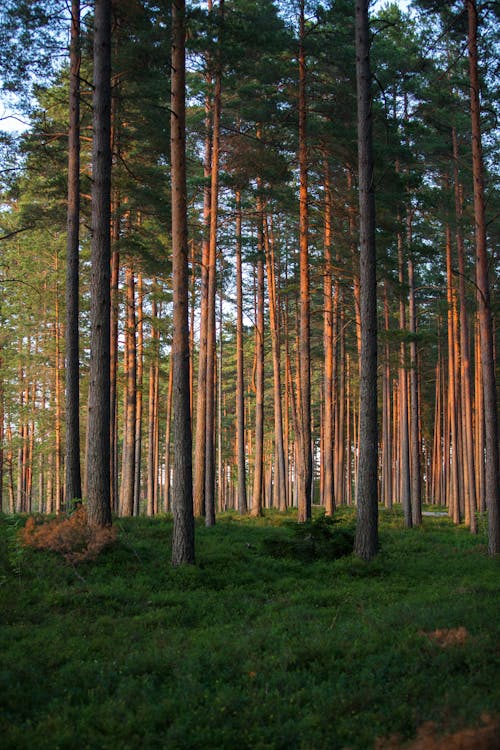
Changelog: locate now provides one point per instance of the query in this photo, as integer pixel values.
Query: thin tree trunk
(240, 383)
(258, 480)
(327, 484)
(212, 290)
(280, 475)
(304, 371)
(386, 492)
(405, 482)
(73, 488)
(128, 459)
(152, 465)
(167, 495)
(139, 386)
(416, 484)
(453, 487)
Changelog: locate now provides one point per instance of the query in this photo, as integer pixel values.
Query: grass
(250, 648)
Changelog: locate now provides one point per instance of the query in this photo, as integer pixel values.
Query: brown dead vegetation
(71, 536)
(445, 637)
(485, 737)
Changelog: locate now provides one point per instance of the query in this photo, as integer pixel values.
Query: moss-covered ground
(264, 643)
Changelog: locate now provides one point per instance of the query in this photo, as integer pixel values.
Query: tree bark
(99, 500)
(328, 494)
(73, 487)
(182, 489)
(492, 469)
(258, 481)
(240, 383)
(366, 539)
(128, 455)
(305, 453)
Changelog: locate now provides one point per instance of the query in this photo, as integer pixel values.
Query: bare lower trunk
(99, 499)
(492, 469)
(72, 373)
(366, 540)
(182, 490)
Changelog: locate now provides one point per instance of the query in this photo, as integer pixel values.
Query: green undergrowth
(272, 640)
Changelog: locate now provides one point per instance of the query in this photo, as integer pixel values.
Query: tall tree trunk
(465, 369)
(167, 495)
(328, 493)
(212, 289)
(240, 382)
(99, 500)
(201, 401)
(138, 403)
(128, 460)
(366, 539)
(386, 492)
(113, 390)
(280, 474)
(479, 421)
(73, 469)
(305, 453)
(452, 456)
(152, 464)
(258, 480)
(416, 485)
(492, 469)
(57, 403)
(182, 490)
(404, 431)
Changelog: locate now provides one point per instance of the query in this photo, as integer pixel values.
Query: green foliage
(245, 649)
(320, 539)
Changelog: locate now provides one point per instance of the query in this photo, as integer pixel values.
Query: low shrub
(321, 539)
(71, 536)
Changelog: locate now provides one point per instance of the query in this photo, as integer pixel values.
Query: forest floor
(268, 642)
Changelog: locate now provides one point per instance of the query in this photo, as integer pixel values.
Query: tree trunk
(73, 470)
(366, 540)
(240, 383)
(258, 481)
(99, 500)
(452, 456)
(182, 490)
(328, 494)
(280, 474)
(415, 469)
(138, 403)
(212, 289)
(492, 469)
(305, 453)
(128, 455)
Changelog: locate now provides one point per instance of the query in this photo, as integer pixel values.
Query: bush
(71, 536)
(320, 539)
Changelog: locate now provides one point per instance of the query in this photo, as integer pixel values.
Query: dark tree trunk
(99, 502)
(366, 541)
(73, 469)
(492, 470)
(182, 490)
